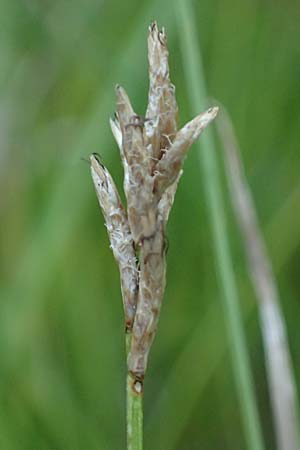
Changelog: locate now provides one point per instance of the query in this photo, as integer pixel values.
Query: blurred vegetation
(61, 326)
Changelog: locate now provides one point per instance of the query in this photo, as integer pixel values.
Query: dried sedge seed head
(152, 152)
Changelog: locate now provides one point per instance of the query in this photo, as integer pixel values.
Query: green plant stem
(134, 413)
(208, 162)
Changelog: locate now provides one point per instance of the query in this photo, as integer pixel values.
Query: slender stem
(209, 167)
(134, 413)
(134, 416)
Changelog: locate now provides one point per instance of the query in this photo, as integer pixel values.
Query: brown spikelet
(120, 236)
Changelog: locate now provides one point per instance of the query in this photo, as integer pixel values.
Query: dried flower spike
(152, 152)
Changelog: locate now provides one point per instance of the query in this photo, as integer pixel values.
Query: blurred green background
(62, 367)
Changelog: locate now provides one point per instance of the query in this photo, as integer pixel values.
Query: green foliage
(61, 326)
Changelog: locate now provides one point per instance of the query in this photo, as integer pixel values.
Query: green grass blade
(208, 164)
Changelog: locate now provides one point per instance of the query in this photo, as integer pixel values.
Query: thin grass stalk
(207, 157)
(134, 417)
(281, 380)
(134, 409)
